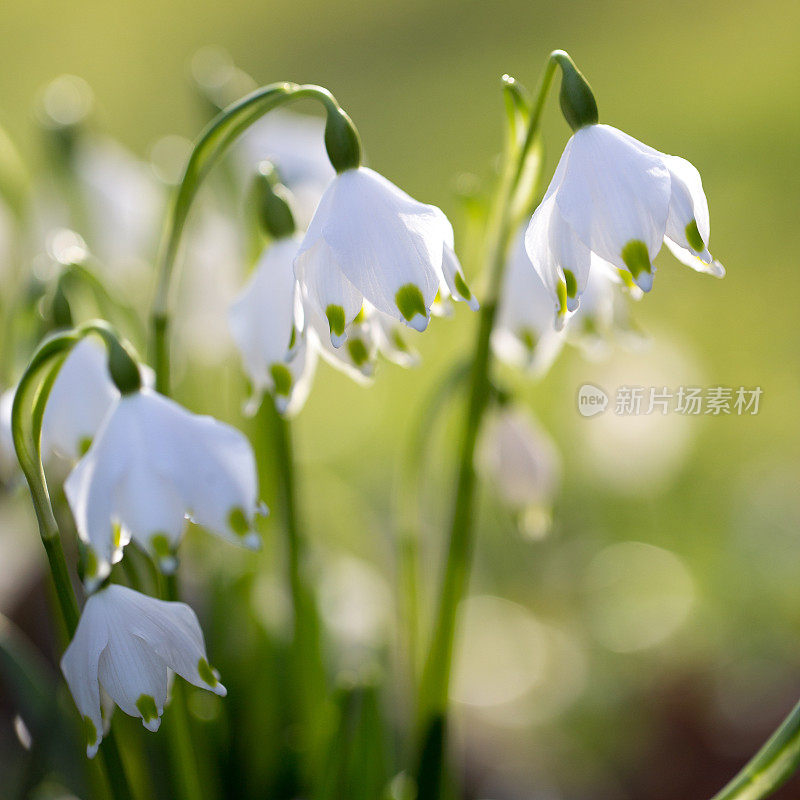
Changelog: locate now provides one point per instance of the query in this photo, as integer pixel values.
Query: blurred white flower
(208, 285)
(371, 334)
(266, 321)
(82, 395)
(370, 241)
(517, 456)
(8, 455)
(524, 334)
(615, 201)
(151, 465)
(295, 144)
(126, 644)
(123, 203)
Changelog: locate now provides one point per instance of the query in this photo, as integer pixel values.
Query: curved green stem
(341, 140)
(771, 766)
(32, 392)
(436, 675)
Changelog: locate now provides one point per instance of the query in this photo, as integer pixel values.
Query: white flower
(524, 334)
(614, 200)
(82, 395)
(266, 322)
(521, 461)
(151, 465)
(370, 241)
(8, 455)
(126, 644)
(123, 202)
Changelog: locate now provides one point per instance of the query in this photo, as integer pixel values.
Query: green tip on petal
(693, 237)
(636, 258)
(147, 708)
(399, 342)
(528, 339)
(561, 291)
(84, 444)
(237, 522)
(90, 732)
(358, 352)
(207, 673)
(162, 549)
(461, 286)
(282, 379)
(336, 320)
(411, 304)
(360, 317)
(571, 283)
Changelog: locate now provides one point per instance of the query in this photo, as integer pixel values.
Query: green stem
(771, 766)
(435, 684)
(308, 666)
(342, 142)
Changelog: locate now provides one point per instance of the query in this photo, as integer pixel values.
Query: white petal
(540, 255)
(130, 671)
(91, 486)
(613, 192)
(147, 505)
(262, 317)
(80, 665)
(325, 285)
(690, 259)
(384, 240)
(81, 397)
(454, 279)
(172, 632)
(210, 464)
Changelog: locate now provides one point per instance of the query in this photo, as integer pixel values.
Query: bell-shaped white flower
(370, 241)
(614, 200)
(126, 645)
(266, 321)
(522, 463)
(524, 334)
(82, 395)
(151, 465)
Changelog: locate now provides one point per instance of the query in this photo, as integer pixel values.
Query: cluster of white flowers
(144, 466)
(359, 261)
(610, 205)
(371, 260)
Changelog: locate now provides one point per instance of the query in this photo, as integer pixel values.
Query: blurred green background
(649, 675)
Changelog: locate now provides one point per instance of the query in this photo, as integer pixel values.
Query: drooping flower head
(151, 465)
(370, 241)
(613, 202)
(126, 644)
(524, 334)
(521, 461)
(267, 323)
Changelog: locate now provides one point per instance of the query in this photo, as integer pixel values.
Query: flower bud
(342, 140)
(272, 206)
(577, 100)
